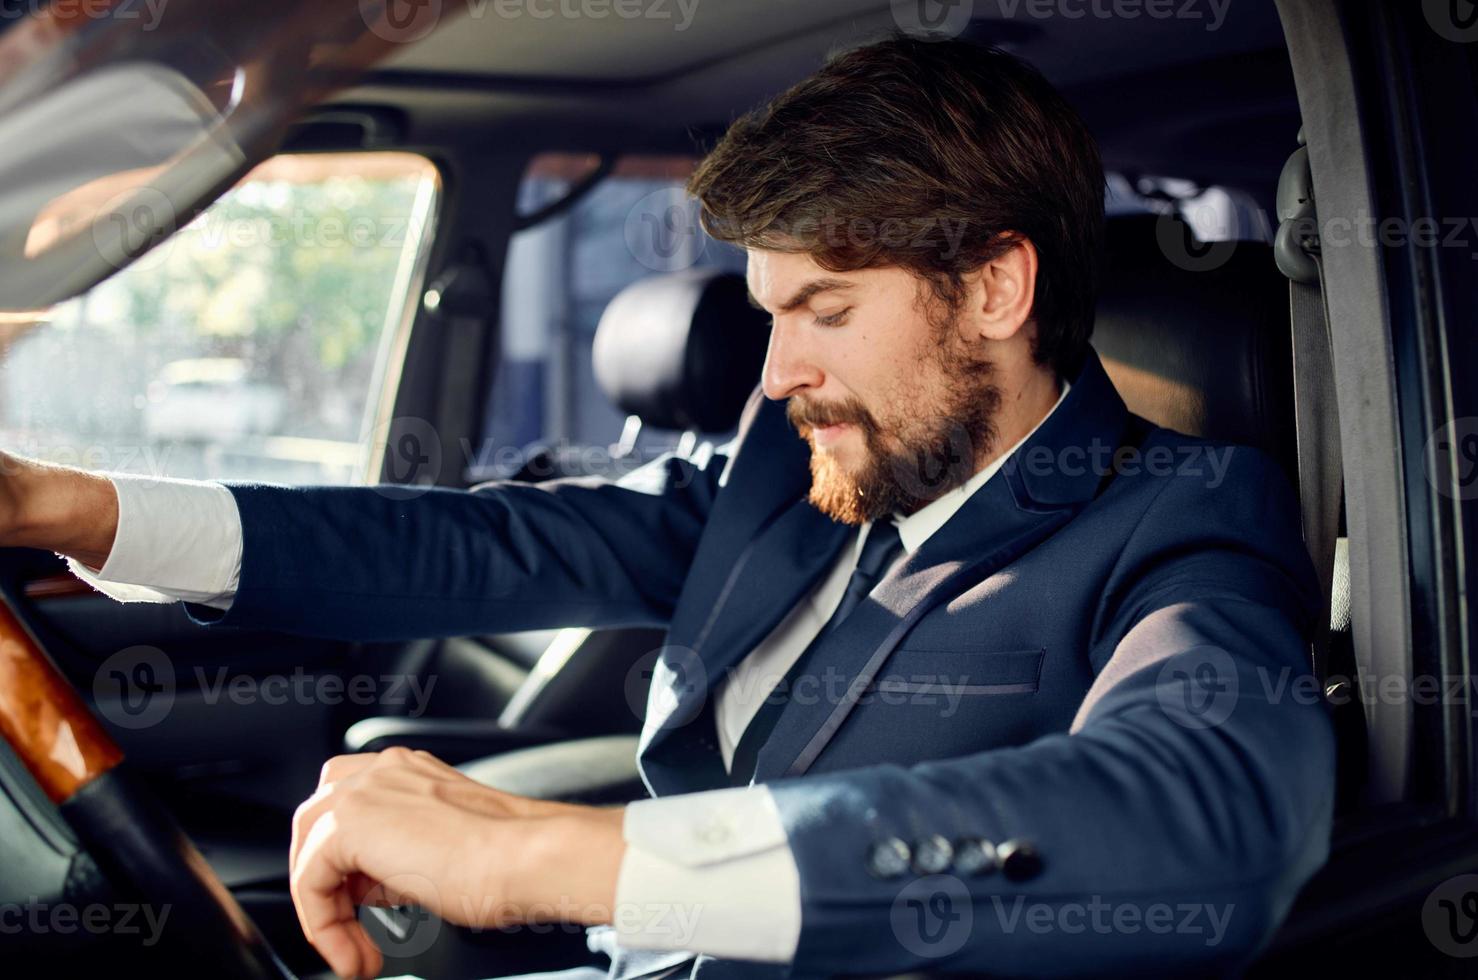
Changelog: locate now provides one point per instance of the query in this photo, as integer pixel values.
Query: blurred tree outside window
(252, 344)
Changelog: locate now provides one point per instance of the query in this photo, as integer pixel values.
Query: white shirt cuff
(710, 873)
(177, 540)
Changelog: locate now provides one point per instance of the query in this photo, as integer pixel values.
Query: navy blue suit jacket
(1100, 658)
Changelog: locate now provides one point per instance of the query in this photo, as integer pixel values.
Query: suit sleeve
(389, 562)
(1174, 823)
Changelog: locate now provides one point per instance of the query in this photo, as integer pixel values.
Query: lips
(825, 435)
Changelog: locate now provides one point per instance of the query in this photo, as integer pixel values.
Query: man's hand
(59, 508)
(401, 827)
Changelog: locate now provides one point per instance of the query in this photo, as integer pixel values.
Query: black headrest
(682, 350)
(1196, 336)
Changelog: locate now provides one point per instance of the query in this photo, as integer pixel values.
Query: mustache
(808, 415)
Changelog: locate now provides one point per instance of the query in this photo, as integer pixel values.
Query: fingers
(432, 763)
(334, 771)
(343, 766)
(304, 818)
(364, 890)
(360, 793)
(326, 911)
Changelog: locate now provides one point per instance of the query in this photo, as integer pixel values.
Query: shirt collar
(916, 528)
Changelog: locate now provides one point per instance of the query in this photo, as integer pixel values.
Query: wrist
(573, 864)
(61, 509)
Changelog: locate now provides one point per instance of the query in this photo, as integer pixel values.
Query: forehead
(772, 272)
(783, 281)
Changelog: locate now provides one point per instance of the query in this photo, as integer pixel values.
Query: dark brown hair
(924, 155)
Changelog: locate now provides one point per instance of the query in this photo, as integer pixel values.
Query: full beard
(912, 458)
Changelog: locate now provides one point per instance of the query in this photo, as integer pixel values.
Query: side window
(637, 222)
(1215, 214)
(251, 344)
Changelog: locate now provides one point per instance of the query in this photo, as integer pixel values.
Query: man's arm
(376, 563)
(59, 508)
(654, 870)
(1176, 822)
(177, 541)
(386, 563)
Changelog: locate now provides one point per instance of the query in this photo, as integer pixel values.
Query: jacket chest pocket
(959, 673)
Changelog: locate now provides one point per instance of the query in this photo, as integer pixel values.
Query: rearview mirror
(115, 132)
(98, 171)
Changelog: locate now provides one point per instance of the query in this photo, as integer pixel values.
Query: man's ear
(1002, 291)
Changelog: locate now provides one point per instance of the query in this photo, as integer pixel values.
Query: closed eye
(833, 319)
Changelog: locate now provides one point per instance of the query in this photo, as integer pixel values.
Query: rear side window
(561, 273)
(253, 343)
(1214, 214)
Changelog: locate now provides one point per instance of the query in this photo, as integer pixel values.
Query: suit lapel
(770, 576)
(1045, 483)
(766, 547)
(987, 533)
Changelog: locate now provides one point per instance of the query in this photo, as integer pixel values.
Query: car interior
(553, 144)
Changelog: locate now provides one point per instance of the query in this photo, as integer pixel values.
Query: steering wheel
(131, 836)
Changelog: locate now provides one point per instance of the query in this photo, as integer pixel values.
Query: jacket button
(931, 856)
(713, 834)
(1019, 860)
(888, 859)
(975, 857)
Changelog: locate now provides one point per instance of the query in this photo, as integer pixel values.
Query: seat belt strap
(1316, 417)
(1320, 477)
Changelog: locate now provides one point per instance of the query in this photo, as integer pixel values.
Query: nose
(789, 367)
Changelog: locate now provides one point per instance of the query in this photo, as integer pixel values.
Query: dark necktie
(878, 553)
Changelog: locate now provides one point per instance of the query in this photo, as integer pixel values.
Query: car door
(1389, 94)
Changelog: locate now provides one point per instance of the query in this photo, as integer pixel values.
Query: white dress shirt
(721, 858)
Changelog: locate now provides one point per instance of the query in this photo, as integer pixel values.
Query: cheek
(875, 360)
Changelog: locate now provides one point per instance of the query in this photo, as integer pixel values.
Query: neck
(1022, 410)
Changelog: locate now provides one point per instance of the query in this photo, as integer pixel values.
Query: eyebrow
(806, 293)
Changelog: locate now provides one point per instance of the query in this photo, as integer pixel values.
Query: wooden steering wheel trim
(134, 840)
(44, 720)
